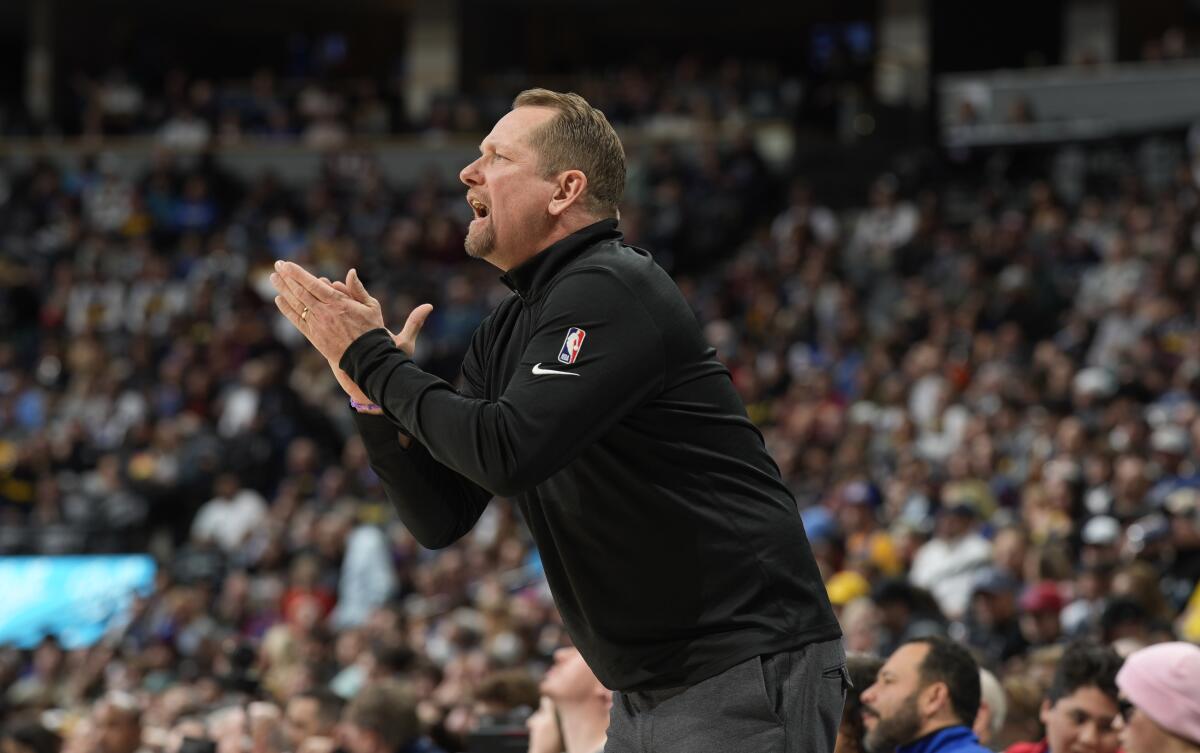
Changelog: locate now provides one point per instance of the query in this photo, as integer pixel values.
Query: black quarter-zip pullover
(672, 547)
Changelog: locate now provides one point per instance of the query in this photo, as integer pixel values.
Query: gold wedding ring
(304, 314)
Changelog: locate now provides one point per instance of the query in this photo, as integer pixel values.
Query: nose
(1088, 733)
(868, 696)
(470, 174)
(562, 654)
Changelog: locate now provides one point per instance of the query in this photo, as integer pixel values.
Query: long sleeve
(436, 504)
(551, 409)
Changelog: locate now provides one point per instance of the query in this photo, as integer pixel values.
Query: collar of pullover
(529, 279)
(946, 738)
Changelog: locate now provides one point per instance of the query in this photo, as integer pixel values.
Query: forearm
(436, 504)
(472, 437)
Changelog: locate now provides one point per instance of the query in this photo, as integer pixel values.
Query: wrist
(365, 406)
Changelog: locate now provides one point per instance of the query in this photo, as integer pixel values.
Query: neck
(584, 726)
(561, 229)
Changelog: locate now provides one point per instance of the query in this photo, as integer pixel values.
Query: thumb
(412, 327)
(358, 291)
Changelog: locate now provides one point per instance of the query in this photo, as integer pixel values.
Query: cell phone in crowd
(197, 745)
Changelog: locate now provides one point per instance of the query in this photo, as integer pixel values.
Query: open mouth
(478, 207)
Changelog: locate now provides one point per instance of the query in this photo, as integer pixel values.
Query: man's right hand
(406, 340)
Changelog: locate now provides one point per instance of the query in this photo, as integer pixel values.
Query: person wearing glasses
(1160, 709)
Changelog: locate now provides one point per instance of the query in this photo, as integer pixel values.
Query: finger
(340, 287)
(357, 290)
(322, 291)
(300, 294)
(416, 320)
(287, 290)
(289, 310)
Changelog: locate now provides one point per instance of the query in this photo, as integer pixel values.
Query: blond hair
(579, 138)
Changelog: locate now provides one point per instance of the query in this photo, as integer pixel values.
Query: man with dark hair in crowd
(924, 700)
(1081, 705)
(312, 713)
(906, 613)
(382, 718)
(863, 670)
(118, 719)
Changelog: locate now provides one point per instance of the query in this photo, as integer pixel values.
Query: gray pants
(790, 702)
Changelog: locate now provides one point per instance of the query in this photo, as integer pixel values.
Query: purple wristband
(363, 407)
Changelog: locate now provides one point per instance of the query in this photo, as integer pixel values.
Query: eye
(499, 156)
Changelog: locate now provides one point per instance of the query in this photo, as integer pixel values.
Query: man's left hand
(328, 317)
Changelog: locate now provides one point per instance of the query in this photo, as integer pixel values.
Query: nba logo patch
(571, 346)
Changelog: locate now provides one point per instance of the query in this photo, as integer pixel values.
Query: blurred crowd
(321, 107)
(990, 418)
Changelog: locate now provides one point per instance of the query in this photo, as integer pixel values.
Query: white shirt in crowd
(228, 521)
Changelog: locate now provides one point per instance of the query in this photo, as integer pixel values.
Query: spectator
(948, 565)
(992, 625)
(382, 718)
(906, 613)
(993, 708)
(312, 713)
(863, 670)
(925, 699)
(229, 518)
(1159, 683)
(1081, 705)
(581, 702)
(118, 720)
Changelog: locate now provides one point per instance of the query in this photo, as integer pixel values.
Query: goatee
(481, 244)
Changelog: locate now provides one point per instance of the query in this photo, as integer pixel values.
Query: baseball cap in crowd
(993, 580)
(846, 586)
(1162, 681)
(818, 523)
(1170, 439)
(1042, 597)
(1101, 530)
(860, 493)
(1183, 502)
(1147, 530)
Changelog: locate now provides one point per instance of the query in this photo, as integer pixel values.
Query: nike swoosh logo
(537, 369)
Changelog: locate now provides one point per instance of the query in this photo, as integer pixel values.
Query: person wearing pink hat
(1161, 687)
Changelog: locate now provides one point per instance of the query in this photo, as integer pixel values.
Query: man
(993, 708)
(924, 700)
(863, 670)
(672, 546)
(313, 713)
(1081, 705)
(949, 563)
(118, 719)
(581, 702)
(1161, 683)
(382, 718)
(1041, 606)
(993, 627)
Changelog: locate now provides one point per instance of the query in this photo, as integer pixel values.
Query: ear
(568, 189)
(934, 698)
(1044, 714)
